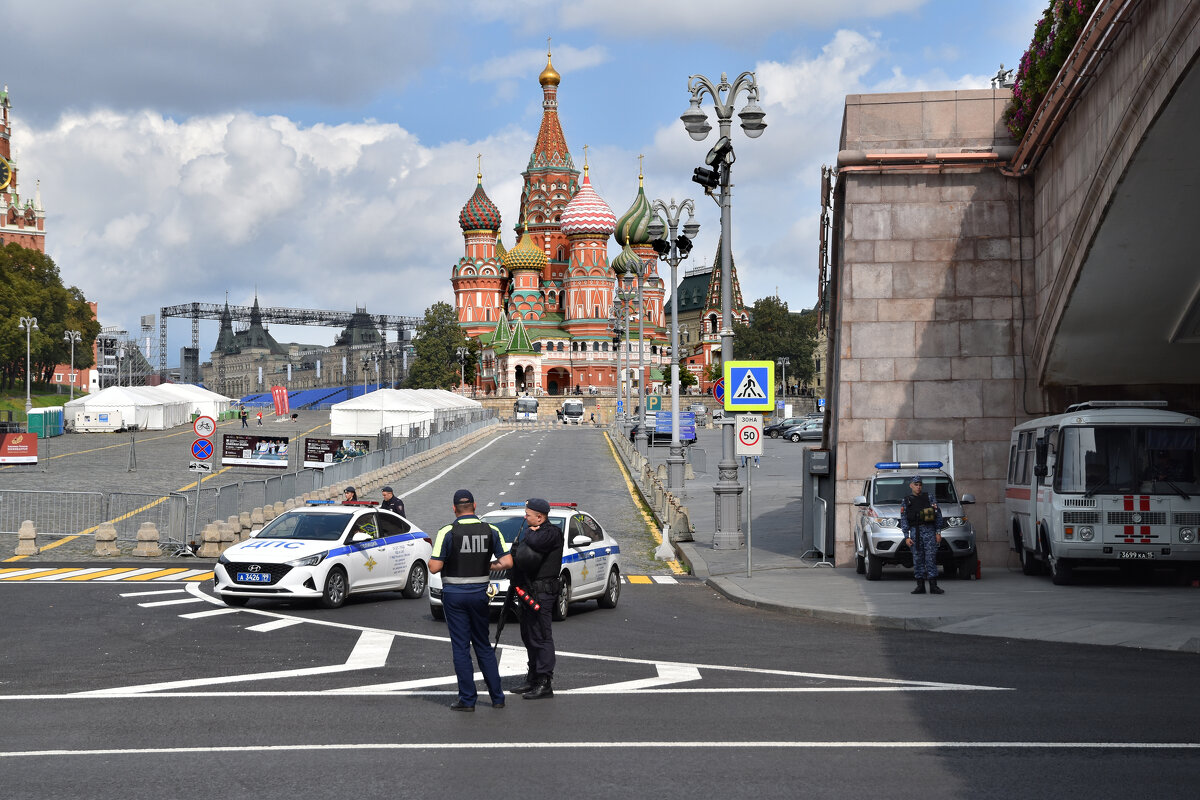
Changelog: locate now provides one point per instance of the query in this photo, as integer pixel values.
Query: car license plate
(254, 577)
(1135, 554)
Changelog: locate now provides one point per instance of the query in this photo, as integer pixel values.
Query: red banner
(18, 448)
(280, 395)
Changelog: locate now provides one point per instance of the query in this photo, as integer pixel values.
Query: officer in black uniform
(391, 502)
(463, 553)
(535, 561)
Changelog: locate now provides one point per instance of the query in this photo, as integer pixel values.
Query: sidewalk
(1005, 603)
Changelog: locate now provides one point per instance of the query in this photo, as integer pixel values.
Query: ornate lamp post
(462, 353)
(783, 362)
(620, 327)
(72, 337)
(674, 248)
(728, 534)
(633, 266)
(28, 324)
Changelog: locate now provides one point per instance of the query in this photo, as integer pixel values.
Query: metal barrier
(56, 513)
(127, 511)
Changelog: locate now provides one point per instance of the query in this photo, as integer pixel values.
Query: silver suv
(878, 539)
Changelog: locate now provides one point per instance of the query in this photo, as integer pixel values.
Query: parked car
(326, 552)
(808, 430)
(878, 540)
(776, 429)
(699, 409)
(591, 562)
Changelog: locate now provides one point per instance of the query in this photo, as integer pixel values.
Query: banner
(320, 453)
(279, 394)
(254, 451)
(18, 448)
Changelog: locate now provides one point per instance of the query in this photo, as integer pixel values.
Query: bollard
(210, 539)
(106, 540)
(27, 539)
(227, 535)
(147, 541)
(246, 524)
(681, 531)
(661, 472)
(689, 474)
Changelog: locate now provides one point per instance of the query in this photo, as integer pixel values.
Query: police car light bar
(908, 465)
(552, 505)
(318, 502)
(360, 503)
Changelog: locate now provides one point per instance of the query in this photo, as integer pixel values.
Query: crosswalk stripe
(179, 602)
(159, 574)
(102, 574)
(664, 579)
(37, 574)
(69, 574)
(216, 612)
(203, 575)
(639, 579)
(191, 574)
(274, 625)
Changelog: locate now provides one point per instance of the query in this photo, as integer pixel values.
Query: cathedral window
(537, 347)
(596, 347)
(560, 347)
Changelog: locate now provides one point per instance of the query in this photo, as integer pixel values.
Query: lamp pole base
(675, 462)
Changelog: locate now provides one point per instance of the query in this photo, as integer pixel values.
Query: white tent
(199, 399)
(122, 407)
(408, 412)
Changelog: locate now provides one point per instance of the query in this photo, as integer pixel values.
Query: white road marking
(63, 575)
(512, 483)
(454, 466)
(156, 591)
(667, 673)
(20, 572)
(216, 612)
(370, 652)
(663, 579)
(182, 576)
(506, 744)
(508, 667)
(178, 602)
(274, 625)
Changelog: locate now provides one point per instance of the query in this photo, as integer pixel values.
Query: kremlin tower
(23, 223)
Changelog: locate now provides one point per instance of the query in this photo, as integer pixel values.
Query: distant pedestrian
(259, 418)
(921, 522)
(463, 553)
(245, 418)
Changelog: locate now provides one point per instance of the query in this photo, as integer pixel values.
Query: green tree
(774, 332)
(686, 378)
(436, 346)
(30, 286)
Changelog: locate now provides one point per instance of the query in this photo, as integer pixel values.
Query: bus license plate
(1135, 554)
(254, 577)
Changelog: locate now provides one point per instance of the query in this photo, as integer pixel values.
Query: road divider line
(642, 508)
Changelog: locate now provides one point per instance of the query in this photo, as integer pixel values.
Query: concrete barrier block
(278, 508)
(256, 518)
(147, 541)
(27, 539)
(289, 504)
(661, 472)
(245, 523)
(681, 531)
(689, 474)
(106, 540)
(210, 541)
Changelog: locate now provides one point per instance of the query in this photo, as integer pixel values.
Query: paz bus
(1108, 483)
(526, 408)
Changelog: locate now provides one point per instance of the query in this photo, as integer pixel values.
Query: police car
(326, 552)
(591, 562)
(878, 539)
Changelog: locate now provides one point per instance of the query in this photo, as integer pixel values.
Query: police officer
(921, 521)
(463, 553)
(535, 561)
(391, 502)
(349, 495)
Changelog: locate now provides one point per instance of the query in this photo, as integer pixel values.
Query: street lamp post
(633, 266)
(783, 362)
(462, 353)
(728, 534)
(72, 337)
(621, 329)
(29, 325)
(674, 248)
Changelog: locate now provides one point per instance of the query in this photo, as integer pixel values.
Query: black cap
(538, 504)
(387, 489)
(463, 496)
(348, 489)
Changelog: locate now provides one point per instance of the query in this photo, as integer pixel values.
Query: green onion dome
(627, 262)
(634, 225)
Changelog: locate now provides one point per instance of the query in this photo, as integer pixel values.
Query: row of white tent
(154, 408)
(406, 412)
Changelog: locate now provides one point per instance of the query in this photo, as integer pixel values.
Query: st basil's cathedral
(542, 310)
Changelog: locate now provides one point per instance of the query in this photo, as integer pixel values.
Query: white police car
(591, 562)
(878, 539)
(326, 552)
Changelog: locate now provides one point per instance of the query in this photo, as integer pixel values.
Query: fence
(180, 516)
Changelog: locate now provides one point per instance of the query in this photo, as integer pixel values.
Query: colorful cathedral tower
(541, 310)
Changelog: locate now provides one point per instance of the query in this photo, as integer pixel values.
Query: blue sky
(319, 152)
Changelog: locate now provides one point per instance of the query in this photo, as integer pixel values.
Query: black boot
(526, 685)
(933, 587)
(920, 586)
(542, 689)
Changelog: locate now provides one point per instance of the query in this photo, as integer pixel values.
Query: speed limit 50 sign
(748, 435)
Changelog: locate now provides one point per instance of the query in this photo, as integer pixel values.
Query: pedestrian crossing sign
(749, 385)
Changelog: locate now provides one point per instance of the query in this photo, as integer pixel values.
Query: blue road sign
(202, 449)
(751, 385)
(620, 406)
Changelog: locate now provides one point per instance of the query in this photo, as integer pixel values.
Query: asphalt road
(120, 690)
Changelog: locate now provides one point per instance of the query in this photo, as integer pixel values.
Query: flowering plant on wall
(1053, 38)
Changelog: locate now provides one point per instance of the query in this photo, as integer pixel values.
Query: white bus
(572, 411)
(526, 408)
(1107, 483)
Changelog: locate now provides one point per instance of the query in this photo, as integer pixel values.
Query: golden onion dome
(525, 255)
(549, 76)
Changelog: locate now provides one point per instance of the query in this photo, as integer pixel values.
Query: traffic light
(708, 178)
(661, 246)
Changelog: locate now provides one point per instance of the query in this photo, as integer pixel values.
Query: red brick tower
(24, 222)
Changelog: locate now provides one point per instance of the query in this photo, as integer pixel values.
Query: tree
(774, 332)
(436, 347)
(30, 286)
(686, 378)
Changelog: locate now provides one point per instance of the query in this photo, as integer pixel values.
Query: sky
(318, 153)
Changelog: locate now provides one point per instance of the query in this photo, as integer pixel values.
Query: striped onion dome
(627, 262)
(634, 226)
(480, 213)
(587, 213)
(525, 255)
